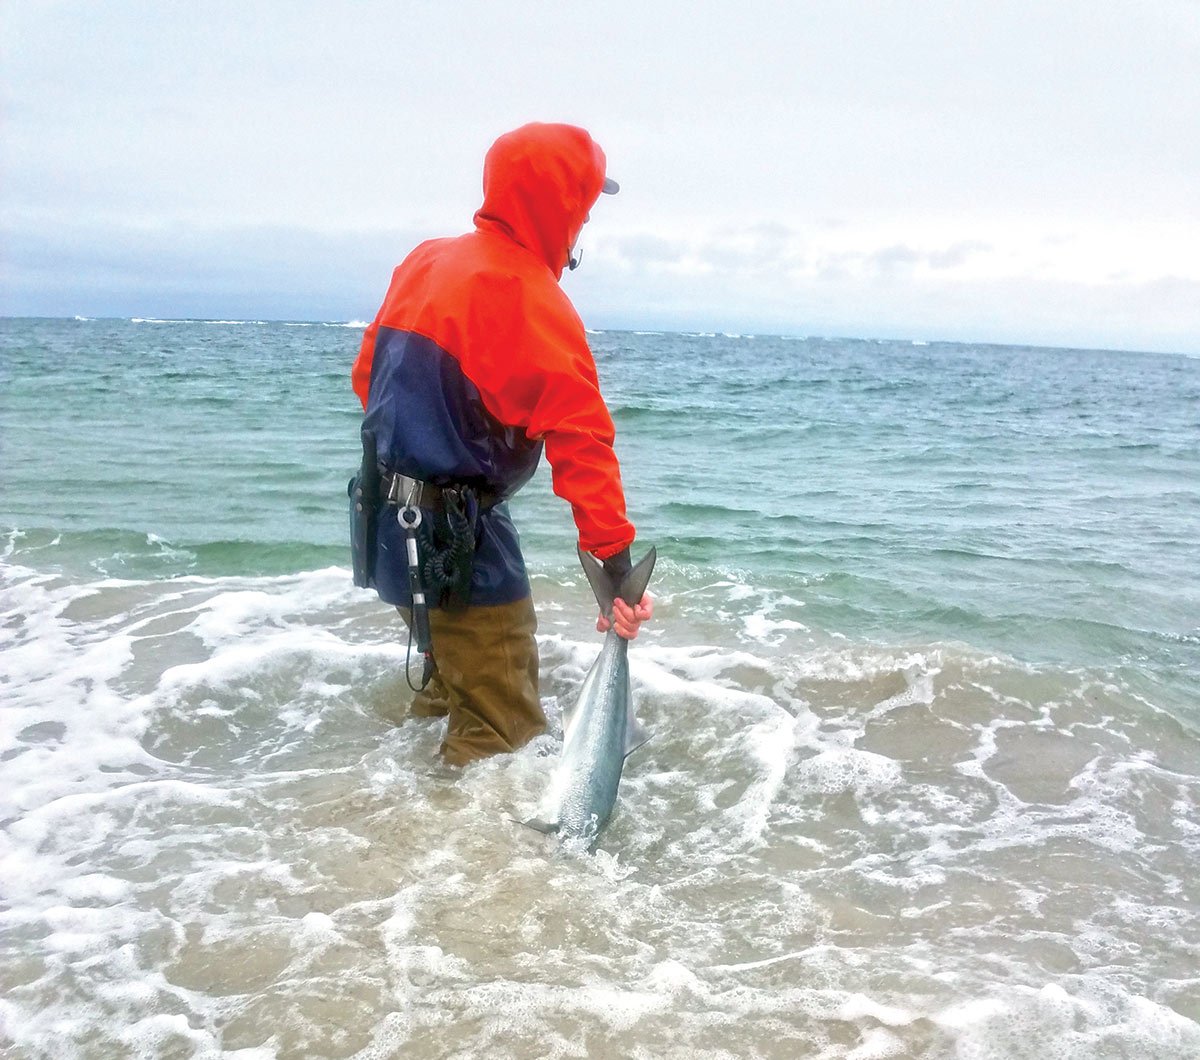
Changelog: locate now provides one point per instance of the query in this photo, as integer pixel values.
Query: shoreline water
(925, 775)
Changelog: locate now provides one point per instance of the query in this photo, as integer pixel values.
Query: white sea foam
(195, 320)
(847, 770)
(1093, 1018)
(358, 325)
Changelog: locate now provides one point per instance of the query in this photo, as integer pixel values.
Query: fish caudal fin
(635, 583)
(632, 587)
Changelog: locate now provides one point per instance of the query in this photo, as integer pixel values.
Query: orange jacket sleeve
(537, 373)
(360, 375)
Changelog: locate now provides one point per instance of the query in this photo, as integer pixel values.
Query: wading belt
(401, 490)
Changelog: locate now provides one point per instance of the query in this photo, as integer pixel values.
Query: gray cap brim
(611, 187)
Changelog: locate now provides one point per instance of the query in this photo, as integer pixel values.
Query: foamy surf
(221, 837)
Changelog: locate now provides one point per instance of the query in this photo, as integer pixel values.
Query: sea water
(923, 683)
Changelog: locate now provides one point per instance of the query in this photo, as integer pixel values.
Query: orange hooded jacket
(477, 355)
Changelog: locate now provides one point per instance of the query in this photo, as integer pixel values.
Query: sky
(1021, 172)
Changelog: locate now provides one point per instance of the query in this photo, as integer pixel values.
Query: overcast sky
(1008, 171)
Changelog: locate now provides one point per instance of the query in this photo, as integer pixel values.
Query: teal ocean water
(924, 688)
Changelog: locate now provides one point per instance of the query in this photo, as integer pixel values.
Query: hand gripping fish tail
(601, 730)
(631, 588)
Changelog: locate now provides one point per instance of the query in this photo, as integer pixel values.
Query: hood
(539, 182)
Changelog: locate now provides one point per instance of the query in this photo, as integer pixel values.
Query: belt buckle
(395, 490)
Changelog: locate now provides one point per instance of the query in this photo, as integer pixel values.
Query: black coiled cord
(448, 570)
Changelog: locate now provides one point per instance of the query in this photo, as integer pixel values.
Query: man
(476, 361)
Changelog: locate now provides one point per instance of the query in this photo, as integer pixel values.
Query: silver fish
(601, 729)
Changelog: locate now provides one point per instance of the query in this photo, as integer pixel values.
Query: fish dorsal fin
(632, 587)
(635, 734)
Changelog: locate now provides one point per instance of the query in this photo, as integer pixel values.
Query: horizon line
(697, 333)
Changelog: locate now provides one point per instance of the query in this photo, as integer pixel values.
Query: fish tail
(631, 588)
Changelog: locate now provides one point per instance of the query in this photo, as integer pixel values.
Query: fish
(601, 730)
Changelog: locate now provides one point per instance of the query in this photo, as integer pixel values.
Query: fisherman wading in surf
(476, 361)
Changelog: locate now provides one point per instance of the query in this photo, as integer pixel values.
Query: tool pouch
(363, 491)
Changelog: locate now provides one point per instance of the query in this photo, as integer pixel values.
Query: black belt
(401, 490)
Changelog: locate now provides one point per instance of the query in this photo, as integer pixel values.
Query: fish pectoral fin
(635, 734)
(545, 827)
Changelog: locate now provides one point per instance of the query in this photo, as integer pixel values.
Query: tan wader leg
(486, 679)
(433, 701)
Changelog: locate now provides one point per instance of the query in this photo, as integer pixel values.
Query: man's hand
(627, 620)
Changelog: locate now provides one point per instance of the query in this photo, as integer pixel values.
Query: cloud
(903, 259)
(1010, 284)
(274, 271)
(642, 250)
(823, 251)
